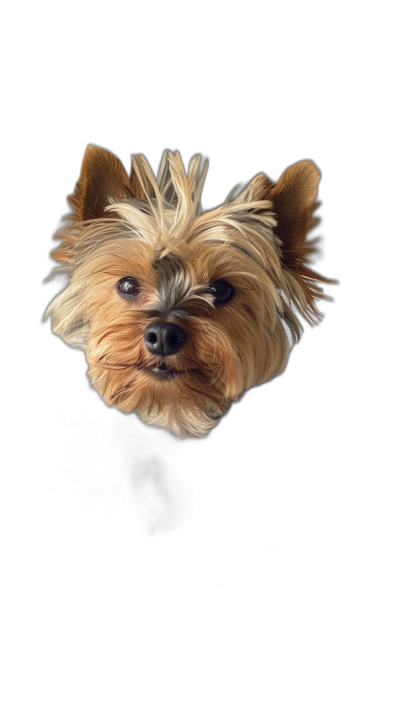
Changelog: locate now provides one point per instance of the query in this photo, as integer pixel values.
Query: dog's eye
(222, 291)
(129, 287)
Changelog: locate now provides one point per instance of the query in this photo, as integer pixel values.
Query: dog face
(180, 311)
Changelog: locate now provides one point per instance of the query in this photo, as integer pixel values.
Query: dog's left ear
(294, 204)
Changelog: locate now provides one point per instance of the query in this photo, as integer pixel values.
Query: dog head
(181, 311)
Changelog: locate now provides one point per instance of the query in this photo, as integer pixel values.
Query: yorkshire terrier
(180, 311)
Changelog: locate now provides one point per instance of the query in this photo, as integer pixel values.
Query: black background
(261, 512)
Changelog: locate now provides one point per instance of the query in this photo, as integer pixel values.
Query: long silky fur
(230, 348)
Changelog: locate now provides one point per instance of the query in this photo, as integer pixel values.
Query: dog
(181, 311)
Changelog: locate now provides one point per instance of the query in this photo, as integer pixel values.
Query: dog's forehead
(169, 266)
(173, 280)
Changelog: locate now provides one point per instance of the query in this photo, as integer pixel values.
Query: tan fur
(153, 229)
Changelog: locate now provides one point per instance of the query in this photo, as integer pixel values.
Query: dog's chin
(183, 397)
(186, 403)
(192, 418)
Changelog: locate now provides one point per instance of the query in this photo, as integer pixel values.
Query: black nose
(164, 338)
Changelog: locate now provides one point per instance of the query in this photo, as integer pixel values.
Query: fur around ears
(104, 179)
(292, 201)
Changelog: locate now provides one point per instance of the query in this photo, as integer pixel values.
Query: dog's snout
(164, 338)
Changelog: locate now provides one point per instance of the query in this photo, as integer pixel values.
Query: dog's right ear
(103, 181)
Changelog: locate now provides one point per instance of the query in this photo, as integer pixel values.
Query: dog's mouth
(164, 372)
